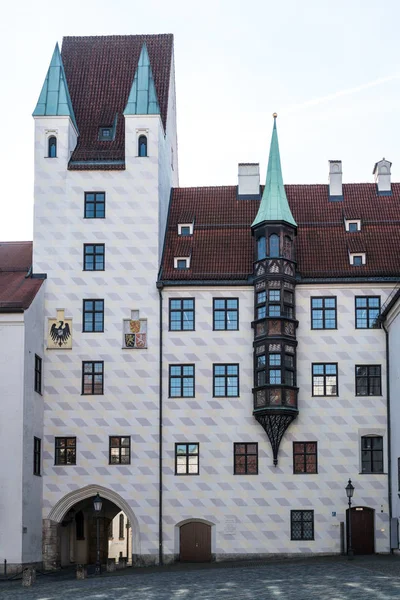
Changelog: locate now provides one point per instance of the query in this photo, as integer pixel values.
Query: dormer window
(185, 229)
(105, 134)
(182, 263)
(52, 149)
(352, 225)
(358, 259)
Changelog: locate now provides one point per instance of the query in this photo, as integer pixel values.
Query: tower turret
(274, 229)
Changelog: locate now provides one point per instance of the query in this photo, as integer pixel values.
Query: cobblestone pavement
(376, 578)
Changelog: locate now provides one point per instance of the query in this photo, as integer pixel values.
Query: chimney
(249, 181)
(382, 177)
(335, 180)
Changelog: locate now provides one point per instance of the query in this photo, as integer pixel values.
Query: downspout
(160, 434)
(389, 435)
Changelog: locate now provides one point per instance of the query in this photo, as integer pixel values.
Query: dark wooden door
(362, 530)
(195, 542)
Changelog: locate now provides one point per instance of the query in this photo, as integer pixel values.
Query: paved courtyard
(336, 578)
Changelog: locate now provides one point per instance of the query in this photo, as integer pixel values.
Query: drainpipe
(160, 435)
(389, 433)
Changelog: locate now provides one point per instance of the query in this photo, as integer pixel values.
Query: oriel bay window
(275, 302)
(324, 379)
(275, 364)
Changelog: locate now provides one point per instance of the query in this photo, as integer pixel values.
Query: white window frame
(186, 258)
(190, 225)
(353, 255)
(347, 223)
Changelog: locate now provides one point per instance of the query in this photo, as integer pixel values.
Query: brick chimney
(382, 177)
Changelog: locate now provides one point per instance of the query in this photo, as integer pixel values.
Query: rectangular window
(121, 527)
(65, 451)
(92, 377)
(181, 314)
(181, 381)
(368, 380)
(186, 459)
(304, 457)
(301, 525)
(245, 459)
(368, 309)
(226, 380)
(120, 450)
(93, 315)
(37, 455)
(38, 374)
(95, 205)
(93, 257)
(372, 454)
(225, 311)
(323, 313)
(325, 379)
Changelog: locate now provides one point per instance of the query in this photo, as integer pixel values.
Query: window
(38, 374)
(93, 315)
(261, 248)
(185, 229)
(120, 450)
(95, 205)
(226, 380)
(301, 525)
(186, 459)
(245, 459)
(325, 379)
(65, 448)
(121, 527)
(37, 455)
(304, 457)
(181, 381)
(182, 263)
(353, 227)
(80, 525)
(225, 313)
(181, 314)
(93, 257)
(92, 377)
(52, 147)
(357, 260)
(323, 313)
(368, 380)
(368, 309)
(273, 245)
(105, 134)
(372, 454)
(142, 145)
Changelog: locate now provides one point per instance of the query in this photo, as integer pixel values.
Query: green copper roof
(54, 99)
(274, 205)
(143, 96)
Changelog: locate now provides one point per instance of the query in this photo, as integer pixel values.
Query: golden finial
(275, 115)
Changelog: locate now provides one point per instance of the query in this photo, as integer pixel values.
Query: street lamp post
(97, 505)
(349, 491)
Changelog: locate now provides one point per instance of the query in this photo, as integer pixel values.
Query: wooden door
(195, 542)
(362, 530)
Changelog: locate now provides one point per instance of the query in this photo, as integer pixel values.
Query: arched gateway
(62, 542)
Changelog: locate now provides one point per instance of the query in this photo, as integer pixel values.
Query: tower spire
(142, 98)
(274, 205)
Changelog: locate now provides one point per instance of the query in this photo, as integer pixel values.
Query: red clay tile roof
(100, 72)
(17, 291)
(222, 246)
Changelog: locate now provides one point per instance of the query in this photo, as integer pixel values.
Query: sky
(330, 70)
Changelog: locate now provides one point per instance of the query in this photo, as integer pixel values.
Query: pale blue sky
(330, 69)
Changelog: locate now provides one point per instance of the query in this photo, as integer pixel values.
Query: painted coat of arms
(59, 332)
(135, 331)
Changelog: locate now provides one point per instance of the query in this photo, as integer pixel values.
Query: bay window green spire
(274, 205)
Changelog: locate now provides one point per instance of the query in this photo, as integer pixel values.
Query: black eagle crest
(60, 334)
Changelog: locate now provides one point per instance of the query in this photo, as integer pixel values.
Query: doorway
(195, 542)
(362, 529)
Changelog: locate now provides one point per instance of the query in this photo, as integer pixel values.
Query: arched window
(80, 525)
(142, 145)
(261, 248)
(274, 245)
(121, 527)
(52, 147)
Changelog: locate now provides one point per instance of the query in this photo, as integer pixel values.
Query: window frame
(38, 374)
(49, 139)
(367, 308)
(325, 375)
(226, 376)
(37, 456)
(93, 312)
(324, 309)
(368, 377)
(93, 373)
(181, 377)
(142, 136)
(305, 454)
(94, 254)
(302, 538)
(245, 454)
(181, 310)
(57, 448)
(225, 310)
(187, 454)
(371, 451)
(95, 203)
(119, 447)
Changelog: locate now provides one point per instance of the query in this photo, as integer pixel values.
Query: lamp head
(97, 503)
(349, 489)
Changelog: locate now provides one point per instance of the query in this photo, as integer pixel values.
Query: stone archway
(51, 540)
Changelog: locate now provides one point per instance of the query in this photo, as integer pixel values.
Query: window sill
(372, 473)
